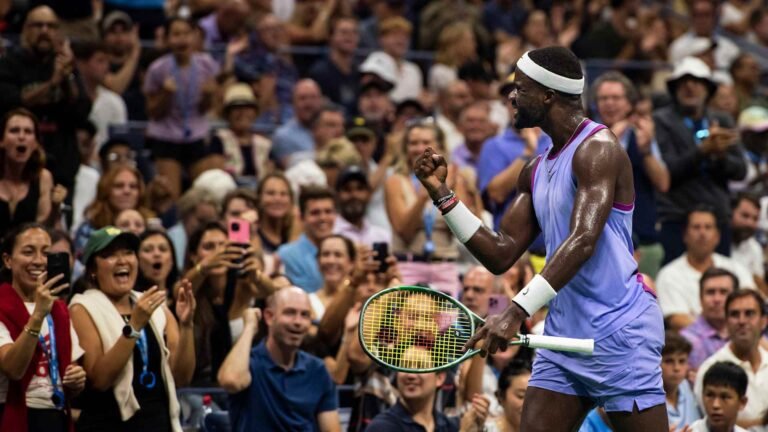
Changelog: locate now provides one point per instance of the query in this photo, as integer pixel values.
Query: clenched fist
(431, 169)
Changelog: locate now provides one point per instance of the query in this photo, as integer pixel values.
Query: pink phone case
(239, 231)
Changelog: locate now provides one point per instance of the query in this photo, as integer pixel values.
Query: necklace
(551, 166)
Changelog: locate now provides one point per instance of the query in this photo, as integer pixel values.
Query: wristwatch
(130, 332)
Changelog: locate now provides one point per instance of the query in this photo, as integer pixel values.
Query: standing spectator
(746, 250)
(35, 376)
(704, 18)
(276, 212)
(504, 19)
(451, 101)
(338, 74)
(709, 333)
(375, 106)
(318, 213)
(227, 22)
(746, 318)
(753, 125)
(616, 97)
(295, 135)
(135, 350)
(682, 409)
(179, 88)
(724, 397)
(394, 39)
(477, 289)
(195, 208)
(503, 158)
(107, 107)
(701, 153)
(678, 281)
(475, 126)
(481, 80)
(353, 196)
(758, 23)
(121, 37)
(746, 82)
(157, 262)
(456, 45)
(26, 188)
(380, 11)
(131, 221)
(39, 76)
(275, 385)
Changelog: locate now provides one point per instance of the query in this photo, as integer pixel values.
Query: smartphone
(58, 263)
(382, 252)
(497, 304)
(239, 232)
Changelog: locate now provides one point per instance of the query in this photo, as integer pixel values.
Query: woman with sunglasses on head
(135, 350)
(38, 346)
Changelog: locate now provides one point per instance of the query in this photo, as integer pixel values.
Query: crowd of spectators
(140, 137)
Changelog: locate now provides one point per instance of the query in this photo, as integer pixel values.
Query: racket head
(416, 329)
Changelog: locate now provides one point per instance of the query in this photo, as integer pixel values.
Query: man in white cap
(701, 152)
(580, 195)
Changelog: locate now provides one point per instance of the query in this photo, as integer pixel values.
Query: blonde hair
(448, 40)
(403, 165)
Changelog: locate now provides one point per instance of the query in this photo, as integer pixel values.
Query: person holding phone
(135, 349)
(39, 349)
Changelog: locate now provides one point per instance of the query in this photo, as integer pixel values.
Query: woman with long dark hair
(157, 262)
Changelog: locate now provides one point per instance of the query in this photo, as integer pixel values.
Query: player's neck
(562, 128)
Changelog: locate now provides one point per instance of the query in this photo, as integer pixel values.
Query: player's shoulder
(600, 147)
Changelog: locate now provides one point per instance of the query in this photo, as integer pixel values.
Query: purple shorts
(624, 370)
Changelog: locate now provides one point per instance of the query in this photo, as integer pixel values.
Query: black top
(397, 419)
(26, 209)
(100, 411)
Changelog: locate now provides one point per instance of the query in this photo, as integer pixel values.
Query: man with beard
(353, 195)
(580, 195)
(745, 248)
(39, 76)
(275, 385)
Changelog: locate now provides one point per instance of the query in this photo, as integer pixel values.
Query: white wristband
(536, 294)
(462, 222)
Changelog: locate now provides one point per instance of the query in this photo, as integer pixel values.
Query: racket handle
(584, 346)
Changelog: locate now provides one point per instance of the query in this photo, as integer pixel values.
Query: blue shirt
(594, 423)
(687, 410)
(291, 138)
(283, 400)
(397, 419)
(300, 260)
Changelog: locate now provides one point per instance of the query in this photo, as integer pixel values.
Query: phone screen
(382, 251)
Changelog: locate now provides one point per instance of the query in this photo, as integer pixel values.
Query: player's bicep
(595, 167)
(519, 220)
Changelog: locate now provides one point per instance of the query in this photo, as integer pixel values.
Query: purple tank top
(607, 292)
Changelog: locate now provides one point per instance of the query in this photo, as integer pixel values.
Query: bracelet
(443, 207)
(199, 269)
(535, 295)
(35, 333)
(441, 200)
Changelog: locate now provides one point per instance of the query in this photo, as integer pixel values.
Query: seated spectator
(475, 126)
(294, 135)
(481, 80)
(709, 332)
(353, 198)
(195, 208)
(179, 88)
(380, 11)
(157, 262)
(119, 189)
(682, 409)
(452, 99)
(724, 397)
(121, 37)
(338, 74)
(678, 281)
(277, 219)
(421, 240)
(226, 23)
(746, 72)
(318, 213)
(364, 138)
(26, 187)
(746, 319)
(130, 220)
(700, 151)
(456, 45)
(275, 385)
(114, 153)
(375, 107)
(745, 249)
(415, 409)
(326, 126)
(135, 349)
(704, 18)
(336, 258)
(753, 126)
(37, 381)
(107, 107)
(758, 23)
(246, 154)
(513, 381)
(309, 23)
(150, 13)
(394, 40)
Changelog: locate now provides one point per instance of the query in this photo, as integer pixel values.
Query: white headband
(548, 78)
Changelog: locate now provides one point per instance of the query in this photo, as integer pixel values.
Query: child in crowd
(682, 409)
(725, 389)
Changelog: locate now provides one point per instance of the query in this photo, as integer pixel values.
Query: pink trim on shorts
(646, 288)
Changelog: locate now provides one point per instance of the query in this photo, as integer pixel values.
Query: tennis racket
(419, 330)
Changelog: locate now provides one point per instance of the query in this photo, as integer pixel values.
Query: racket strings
(414, 330)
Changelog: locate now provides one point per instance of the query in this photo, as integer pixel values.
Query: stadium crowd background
(170, 118)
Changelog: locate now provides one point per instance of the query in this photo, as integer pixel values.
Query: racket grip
(584, 346)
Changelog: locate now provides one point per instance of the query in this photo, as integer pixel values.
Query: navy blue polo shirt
(283, 400)
(398, 419)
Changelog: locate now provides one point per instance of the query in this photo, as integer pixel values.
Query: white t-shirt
(40, 389)
(701, 426)
(749, 254)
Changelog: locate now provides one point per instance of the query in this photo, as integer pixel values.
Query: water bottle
(207, 405)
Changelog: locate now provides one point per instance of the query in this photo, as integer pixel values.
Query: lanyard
(147, 377)
(699, 133)
(53, 363)
(428, 218)
(184, 96)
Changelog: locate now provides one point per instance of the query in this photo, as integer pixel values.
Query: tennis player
(580, 195)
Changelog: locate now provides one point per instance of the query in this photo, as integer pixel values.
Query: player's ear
(549, 96)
